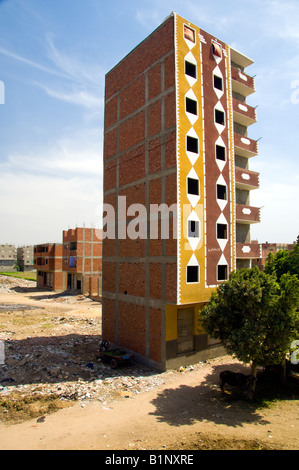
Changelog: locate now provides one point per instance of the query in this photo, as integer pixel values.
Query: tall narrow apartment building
(177, 211)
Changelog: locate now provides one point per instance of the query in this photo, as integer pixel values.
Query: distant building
(75, 264)
(266, 249)
(48, 264)
(176, 135)
(82, 260)
(8, 258)
(25, 257)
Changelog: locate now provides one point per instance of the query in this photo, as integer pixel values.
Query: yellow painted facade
(171, 321)
(189, 293)
(195, 295)
(185, 49)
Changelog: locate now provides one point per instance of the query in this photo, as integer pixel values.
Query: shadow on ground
(48, 292)
(205, 403)
(58, 359)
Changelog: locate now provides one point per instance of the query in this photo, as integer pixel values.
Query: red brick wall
(132, 327)
(132, 279)
(132, 96)
(147, 53)
(139, 146)
(108, 320)
(131, 166)
(155, 334)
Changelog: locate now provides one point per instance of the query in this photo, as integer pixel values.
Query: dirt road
(56, 394)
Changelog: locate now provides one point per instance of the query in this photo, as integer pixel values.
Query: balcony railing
(248, 250)
(246, 179)
(244, 146)
(247, 214)
(243, 113)
(242, 83)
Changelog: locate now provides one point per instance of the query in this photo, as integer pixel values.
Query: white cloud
(77, 69)
(29, 62)
(84, 81)
(51, 189)
(280, 212)
(69, 156)
(39, 208)
(76, 96)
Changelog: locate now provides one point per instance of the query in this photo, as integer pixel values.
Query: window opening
(192, 274)
(222, 272)
(221, 192)
(222, 231)
(192, 144)
(193, 229)
(189, 33)
(220, 152)
(219, 117)
(216, 49)
(191, 106)
(218, 82)
(193, 186)
(190, 69)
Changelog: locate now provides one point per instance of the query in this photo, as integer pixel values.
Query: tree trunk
(253, 369)
(252, 387)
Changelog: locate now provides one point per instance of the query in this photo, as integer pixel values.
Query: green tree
(254, 316)
(285, 261)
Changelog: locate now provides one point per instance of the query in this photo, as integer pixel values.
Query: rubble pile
(13, 285)
(72, 371)
(53, 352)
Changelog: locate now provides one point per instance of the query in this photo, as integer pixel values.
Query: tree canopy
(285, 261)
(255, 316)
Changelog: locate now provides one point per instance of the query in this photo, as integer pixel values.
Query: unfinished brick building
(176, 123)
(76, 264)
(82, 260)
(48, 265)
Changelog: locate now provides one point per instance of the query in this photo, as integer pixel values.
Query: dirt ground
(55, 393)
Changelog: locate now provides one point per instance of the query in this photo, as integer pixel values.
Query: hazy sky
(53, 59)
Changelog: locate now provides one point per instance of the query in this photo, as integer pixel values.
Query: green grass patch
(29, 276)
(18, 407)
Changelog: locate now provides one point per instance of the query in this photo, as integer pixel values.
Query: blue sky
(53, 59)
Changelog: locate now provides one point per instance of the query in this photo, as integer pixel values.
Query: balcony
(70, 264)
(247, 214)
(40, 262)
(244, 146)
(246, 179)
(248, 250)
(239, 58)
(243, 113)
(242, 83)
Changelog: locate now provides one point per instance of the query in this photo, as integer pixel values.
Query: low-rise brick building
(82, 260)
(48, 264)
(75, 264)
(266, 249)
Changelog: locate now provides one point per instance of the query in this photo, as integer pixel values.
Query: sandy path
(174, 413)
(186, 408)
